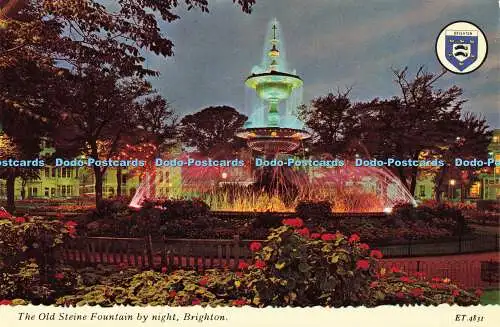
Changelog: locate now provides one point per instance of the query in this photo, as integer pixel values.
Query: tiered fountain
(271, 129)
(274, 130)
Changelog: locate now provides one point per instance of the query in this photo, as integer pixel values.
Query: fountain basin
(273, 140)
(273, 86)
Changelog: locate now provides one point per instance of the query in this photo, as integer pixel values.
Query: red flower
(294, 222)
(172, 293)
(303, 232)
(354, 238)
(416, 292)
(328, 237)
(395, 269)
(59, 276)
(71, 223)
(4, 214)
(163, 270)
(260, 264)
(240, 302)
(5, 302)
(255, 246)
(404, 279)
(434, 286)
(455, 293)
(400, 295)
(376, 254)
(203, 281)
(436, 279)
(315, 235)
(373, 284)
(20, 220)
(196, 302)
(242, 265)
(362, 264)
(364, 246)
(478, 292)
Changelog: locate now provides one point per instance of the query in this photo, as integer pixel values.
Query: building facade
(485, 187)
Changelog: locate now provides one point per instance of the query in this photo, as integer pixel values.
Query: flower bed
(292, 267)
(192, 219)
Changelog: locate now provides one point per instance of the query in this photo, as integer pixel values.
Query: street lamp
(451, 183)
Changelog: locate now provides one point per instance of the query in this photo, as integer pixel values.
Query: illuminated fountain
(273, 127)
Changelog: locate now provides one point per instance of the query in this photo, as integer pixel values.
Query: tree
(213, 129)
(421, 119)
(472, 140)
(87, 32)
(334, 122)
(99, 114)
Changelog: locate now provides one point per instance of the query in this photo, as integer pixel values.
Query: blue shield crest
(461, 50)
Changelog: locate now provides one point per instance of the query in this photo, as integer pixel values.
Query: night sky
(331, 43)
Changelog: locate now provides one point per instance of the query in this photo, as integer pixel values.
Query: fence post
(409, 247)
(149, 250)
(418, 265)
(236, 250)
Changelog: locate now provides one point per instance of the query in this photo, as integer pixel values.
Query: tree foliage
(212, 128)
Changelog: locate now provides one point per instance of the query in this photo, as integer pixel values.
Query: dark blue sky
(331, 44)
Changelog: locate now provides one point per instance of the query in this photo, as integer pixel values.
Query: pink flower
(328, 237)
(255, 246)
(315, 235)
(303, 232)
(455, 293)
(260, 264)
(362, 264)
(242, 265)
(436, 279)
(196, 302)
(364, 246)
(59, 276)
(163, 270)
(373, 284)
(400, 295)
(354, 238)
(293, 222)
(376, 254)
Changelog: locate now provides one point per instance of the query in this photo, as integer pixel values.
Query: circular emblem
(461, 47)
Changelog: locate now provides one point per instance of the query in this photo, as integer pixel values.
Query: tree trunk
(414, 174)
(438, 183)
(98, 185)
(118, 182)
(11, 179)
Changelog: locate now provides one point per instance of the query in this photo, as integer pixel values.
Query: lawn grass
(491, 297)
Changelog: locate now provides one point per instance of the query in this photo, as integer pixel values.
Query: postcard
(249, 162)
